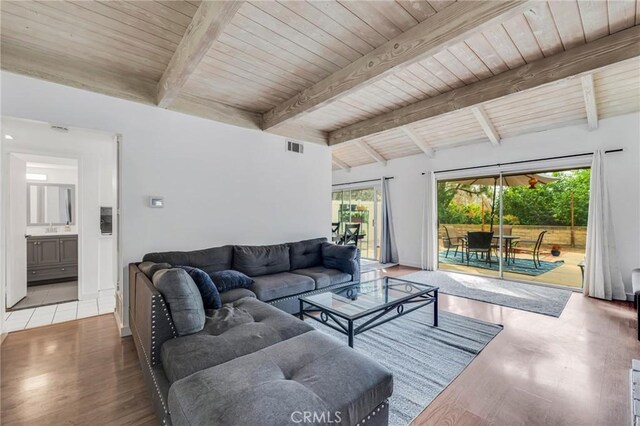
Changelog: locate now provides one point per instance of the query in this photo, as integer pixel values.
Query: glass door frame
(523, 167)
(377, 192)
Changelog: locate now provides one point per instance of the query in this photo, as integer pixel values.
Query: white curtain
(602, 278)
(429, 243)
(388, 247)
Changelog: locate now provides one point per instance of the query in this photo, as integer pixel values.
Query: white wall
(222, 184)
(54, 175)
(407, 187)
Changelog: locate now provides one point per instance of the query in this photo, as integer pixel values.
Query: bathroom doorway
(60, 192)
(50, 231)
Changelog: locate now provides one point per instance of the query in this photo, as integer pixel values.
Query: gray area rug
(423, 359)
(527, 297)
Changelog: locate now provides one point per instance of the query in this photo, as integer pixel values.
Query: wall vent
(296, 147)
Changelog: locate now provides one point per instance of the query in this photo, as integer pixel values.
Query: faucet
(51, 228)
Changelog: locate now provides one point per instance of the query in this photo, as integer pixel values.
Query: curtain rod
(362, 181)
(526, 161)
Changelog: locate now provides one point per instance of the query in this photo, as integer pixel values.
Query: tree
(458, 203)
(546, 204)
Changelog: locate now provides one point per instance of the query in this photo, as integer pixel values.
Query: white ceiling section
(617, 92)
(328, 71)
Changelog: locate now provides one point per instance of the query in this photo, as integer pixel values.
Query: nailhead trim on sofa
(155, 381)
(375, 411)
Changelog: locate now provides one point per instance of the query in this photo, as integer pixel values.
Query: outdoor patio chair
(479, 242)
(533, 251)
(452, 240)
(351, 234)
(335, 231)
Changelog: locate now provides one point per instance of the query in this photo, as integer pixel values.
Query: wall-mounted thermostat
(156, 202)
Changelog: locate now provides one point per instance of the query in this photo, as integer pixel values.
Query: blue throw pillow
(228, 280)
(208, 291)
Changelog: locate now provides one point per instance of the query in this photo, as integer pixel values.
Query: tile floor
(52, 314)
(48, 294)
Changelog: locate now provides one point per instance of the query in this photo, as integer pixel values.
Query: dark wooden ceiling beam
(450, 26)
(586, 58)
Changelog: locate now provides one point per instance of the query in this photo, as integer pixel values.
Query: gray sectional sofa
(252, 363)
(281, 272)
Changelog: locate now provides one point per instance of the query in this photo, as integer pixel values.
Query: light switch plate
(156, 202)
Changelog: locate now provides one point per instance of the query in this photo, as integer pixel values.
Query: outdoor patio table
(507, 245)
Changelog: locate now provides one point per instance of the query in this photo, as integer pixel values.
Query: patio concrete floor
(568, 275)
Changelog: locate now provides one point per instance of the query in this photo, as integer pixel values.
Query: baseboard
(411, 264)
(124, 330)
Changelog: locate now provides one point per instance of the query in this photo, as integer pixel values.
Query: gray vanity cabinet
(32, 259)
(52, 258)
(69, 249)
(47, 251)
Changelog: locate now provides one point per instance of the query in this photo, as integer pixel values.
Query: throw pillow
(228, 280)
(150, 268)
(183, 299)
(208, 290)
(341, 258)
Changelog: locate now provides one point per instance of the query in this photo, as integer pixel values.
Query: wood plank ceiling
(268, 52)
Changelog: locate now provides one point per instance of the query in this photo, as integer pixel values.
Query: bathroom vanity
(52, 258)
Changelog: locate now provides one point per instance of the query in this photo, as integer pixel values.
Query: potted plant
(357, 217)
(555, 250)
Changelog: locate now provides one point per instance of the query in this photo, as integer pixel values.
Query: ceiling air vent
(295, 147)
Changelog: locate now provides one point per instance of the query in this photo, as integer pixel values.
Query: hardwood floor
(74, 373)
(539, 370)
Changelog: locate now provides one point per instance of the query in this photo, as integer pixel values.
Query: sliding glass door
(524, 225)
(357, 209)
(468, 212)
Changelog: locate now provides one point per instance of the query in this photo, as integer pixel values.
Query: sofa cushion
(209, 260)
(236, 294)
(182, 298)
(306, 254)
(324, 277)
(236, 329)
(261, 260)
(150, 268)
(311, 372)
(339, 257)
(275, 286)
(230, 279)
(206, 287)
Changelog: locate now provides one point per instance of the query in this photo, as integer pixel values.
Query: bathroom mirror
(51, 204)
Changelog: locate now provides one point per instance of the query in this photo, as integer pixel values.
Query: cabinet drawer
(52, 273)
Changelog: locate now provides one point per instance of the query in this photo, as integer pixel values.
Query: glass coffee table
(373, 302)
